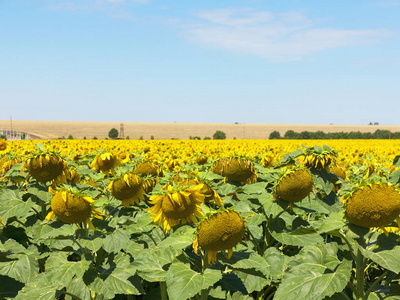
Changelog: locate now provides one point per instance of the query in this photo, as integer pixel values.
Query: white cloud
(280, 37)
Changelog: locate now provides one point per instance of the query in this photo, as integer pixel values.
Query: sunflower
(201, 160)
(176, 206)
(294, 185)
(8, 164)
(222, 230)
(373, 204)
(45, 167)
(105, 163)
(71, 207)
(190, 179)
(146, 168)
(67, 176)
(319, 157)
(128, 188)
(339, 172)
(239, 169)
(3, 145)
(148, 186)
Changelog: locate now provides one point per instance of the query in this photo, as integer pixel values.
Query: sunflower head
(319, 157)
(148, 186)
(176, 206)
(148, 168)
(185, 179)
(294, 185)
(201, 160)
(8, 163)
(339, 172)
(3, 145)
(266, 161)
(45, 167)
(68, 176)
(239, 169)
(218, 166)
(373, 204)
(70, 206)
(105, 162)
(222, 230)
(128, 188)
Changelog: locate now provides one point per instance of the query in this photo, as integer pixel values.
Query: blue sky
(288, 61)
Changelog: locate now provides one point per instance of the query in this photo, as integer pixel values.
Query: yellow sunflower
(67, 176)
(176, 206)
(239, 169)
(105, 163)
(220, 231)
(319, 157)
(294, 185)
(373, 204)
(148, 168)
(3, 145)
(128, 188)
(45, 167)
(71, 207)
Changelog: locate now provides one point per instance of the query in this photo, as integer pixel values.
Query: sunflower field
(199, 219)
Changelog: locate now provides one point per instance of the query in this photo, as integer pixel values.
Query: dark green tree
(219, 135)
(113, 133)
(274, 135)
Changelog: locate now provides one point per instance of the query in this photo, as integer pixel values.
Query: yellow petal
(50, 216)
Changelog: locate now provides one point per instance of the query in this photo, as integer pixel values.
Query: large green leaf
(300, 236)
(278, 263)
(12, 205)
(39, 289)
(315, 274)
(248, 260)
(388, 259)
(184, 283)
(255, 188)
(61, 271)
(116, 240)
(20, 263)
(46, 230)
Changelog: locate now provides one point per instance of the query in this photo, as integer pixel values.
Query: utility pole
(121, 131)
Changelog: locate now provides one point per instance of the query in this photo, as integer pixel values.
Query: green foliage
(219, 135)
(274, 135)
(113, 133)
(320, 135)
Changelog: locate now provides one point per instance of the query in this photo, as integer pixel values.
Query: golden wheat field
(135, 130)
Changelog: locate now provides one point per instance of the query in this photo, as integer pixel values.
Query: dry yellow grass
(78, 129)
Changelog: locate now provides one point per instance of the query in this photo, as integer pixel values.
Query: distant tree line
(320, 135)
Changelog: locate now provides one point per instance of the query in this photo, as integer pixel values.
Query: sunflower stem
(204, 264)
(360, 267)
(163, 288)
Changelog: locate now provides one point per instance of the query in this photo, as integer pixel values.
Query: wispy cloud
(387, 3)
(276, 36)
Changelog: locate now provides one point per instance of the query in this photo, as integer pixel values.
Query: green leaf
(12, 205)
(316, 273)
(255, 188)
(331, 223)
(39, 289)
(47, 230)
(94, 242)
(252, 282)
(277, 261)
(117, 280)
(61, 271)
(301, 236)
(388, 259)
(21, 263)
(271, 207)
(184, 283)
(116, 240)
(40, 147)
(247, 260)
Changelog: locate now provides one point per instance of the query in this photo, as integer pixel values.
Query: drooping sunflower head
(3, 145)
(266, 161)
(148, 186)
(218, 166)
(70, 206)
(128, 188)
(222, 230)
(339, 172)
(239, 169)
(372, 204)
(176, 206)
(319, 157)
(148, 168)
(105, 162)
(293, 185)
(68, 176)
(45, 167)
(185, 179)
(9, 162)
(201, 159)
